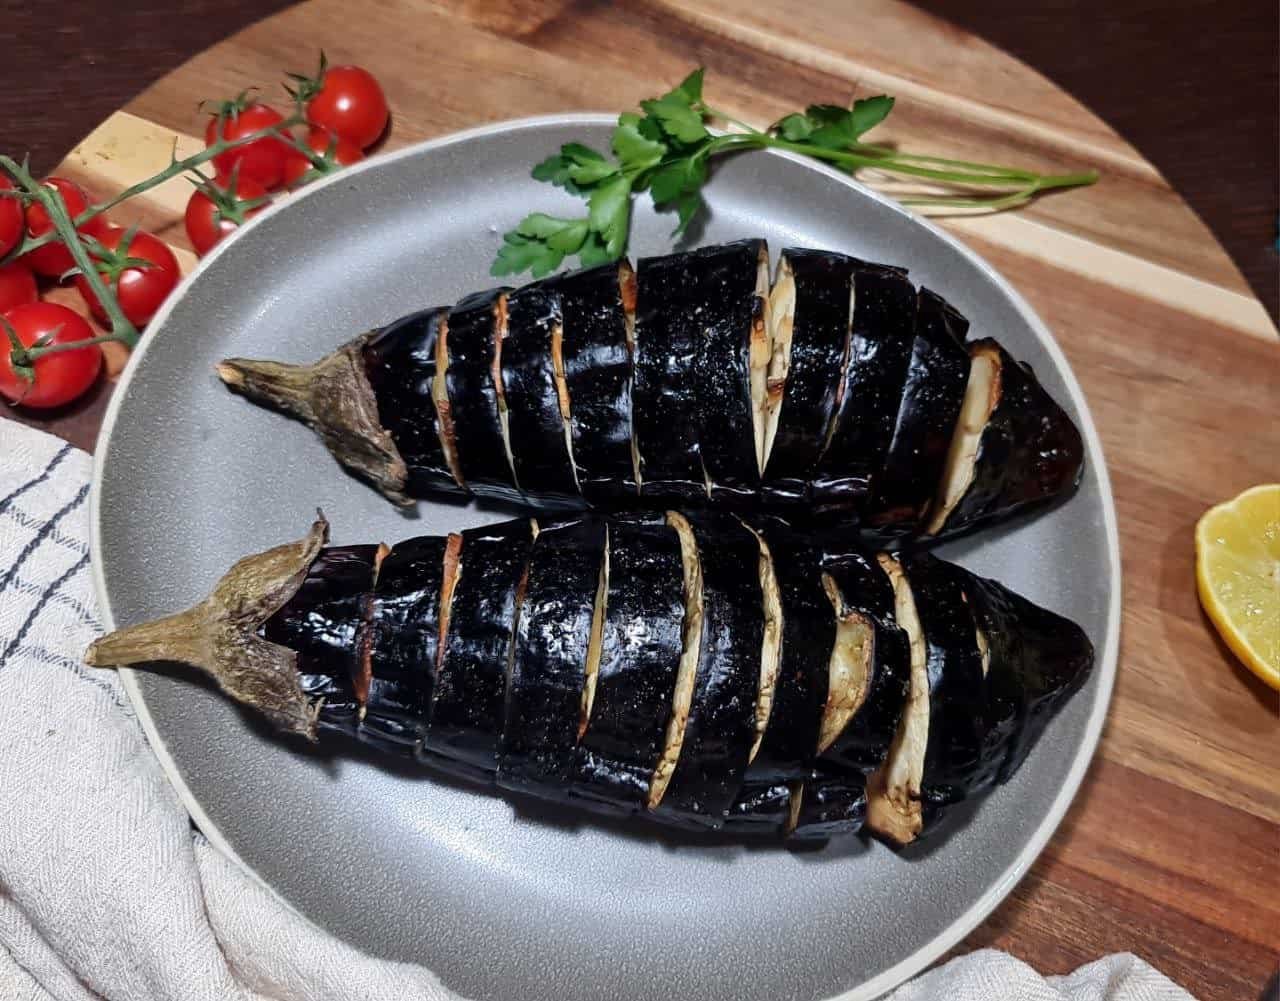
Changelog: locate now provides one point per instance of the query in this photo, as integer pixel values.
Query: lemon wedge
(1238, 576)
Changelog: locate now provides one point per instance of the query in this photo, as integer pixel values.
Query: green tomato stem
(28, 355)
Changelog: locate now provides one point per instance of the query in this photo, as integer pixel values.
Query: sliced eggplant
(549, 664)
(1013, 446)
(536, 397)
(761, 808)
(476, 332)
(1033, 662)
(598, 309)
(729, 321)
(827, 805)
(808, 635)
(479, 607)
(894, 790)
(640, 658)
(324, 622)
(771, 641)
(400, 361)
(812, 311)
(928, 414)
(870, 665)
(708, 761)
(404, 627)
(871, 386)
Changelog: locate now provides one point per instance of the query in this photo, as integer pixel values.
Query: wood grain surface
(1172, 849)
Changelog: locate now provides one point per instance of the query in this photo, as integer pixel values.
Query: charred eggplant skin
(721, 723)
(833, 804)
(473, 395)
(927, 415)
(543, 466)
(728, 310)
(864, 742)
(597, 366)
(1030, 451)
(641, 644)
(1038, 660)
(880, 347)
(470, 687)
(820, 335)
(808, 632)
(538, 743)
(400, 361)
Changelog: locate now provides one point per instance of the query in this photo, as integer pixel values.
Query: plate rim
(1105, 668)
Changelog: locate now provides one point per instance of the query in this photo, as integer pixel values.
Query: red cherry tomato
(139, 290)
(53, 259)
(261, 160)
(350, 103)
(60, 377)
(10, 218)
(319, 139)
(17, 287)
(211, 215)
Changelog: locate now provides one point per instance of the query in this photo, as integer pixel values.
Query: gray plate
(503, 900)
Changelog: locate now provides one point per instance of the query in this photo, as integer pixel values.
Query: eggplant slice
(477, 328)
(536, 400)
(708, 760)
(549, 663)
(479, 608)
(1013, 447)
(812, 317)
(927, 416)
(640, 656)
(597, 308)
(872, 380)
(827, 805)
(400, 361)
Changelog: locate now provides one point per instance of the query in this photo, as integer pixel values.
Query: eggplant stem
(334, 397)
(220, 635)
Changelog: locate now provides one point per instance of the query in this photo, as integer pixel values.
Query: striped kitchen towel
(105, 889)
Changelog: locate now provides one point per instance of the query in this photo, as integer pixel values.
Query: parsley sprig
(666, 149)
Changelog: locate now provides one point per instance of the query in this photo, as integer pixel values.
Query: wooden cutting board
(1172, 849)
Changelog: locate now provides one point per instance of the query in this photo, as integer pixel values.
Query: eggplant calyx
(220, 635)
(335, 399)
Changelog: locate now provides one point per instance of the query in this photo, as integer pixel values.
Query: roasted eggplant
(842, 391)
(628, 664)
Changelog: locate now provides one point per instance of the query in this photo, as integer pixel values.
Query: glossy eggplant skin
(641, 645)
(597, 368)
(760, 809)
(832, 804)
(808, 632)
(400, 362)
(880, 348)
(540, 449)
(470, 686)
(324, 623)
(927, 415)
(1030, 450)
(820, 336)
(729, 312)
(1037, 659)
(474, 326)
(721, 723)
(404, 626)
(963, 755)
(864, 742)
(539, 738)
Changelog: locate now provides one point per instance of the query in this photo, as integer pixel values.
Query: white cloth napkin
(106, 891)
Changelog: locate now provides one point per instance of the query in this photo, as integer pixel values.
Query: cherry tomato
(10, 218)
(17, 287)
(140, 291)
(345, 153)
(261, 160)
(60, 377)
(349, 103)
(211, 215)
(53, 259)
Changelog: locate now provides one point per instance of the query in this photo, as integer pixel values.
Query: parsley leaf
(676, 178)
(636, 152)
(677, 119)
(688, 206)
(609, 212)
(690, 88)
